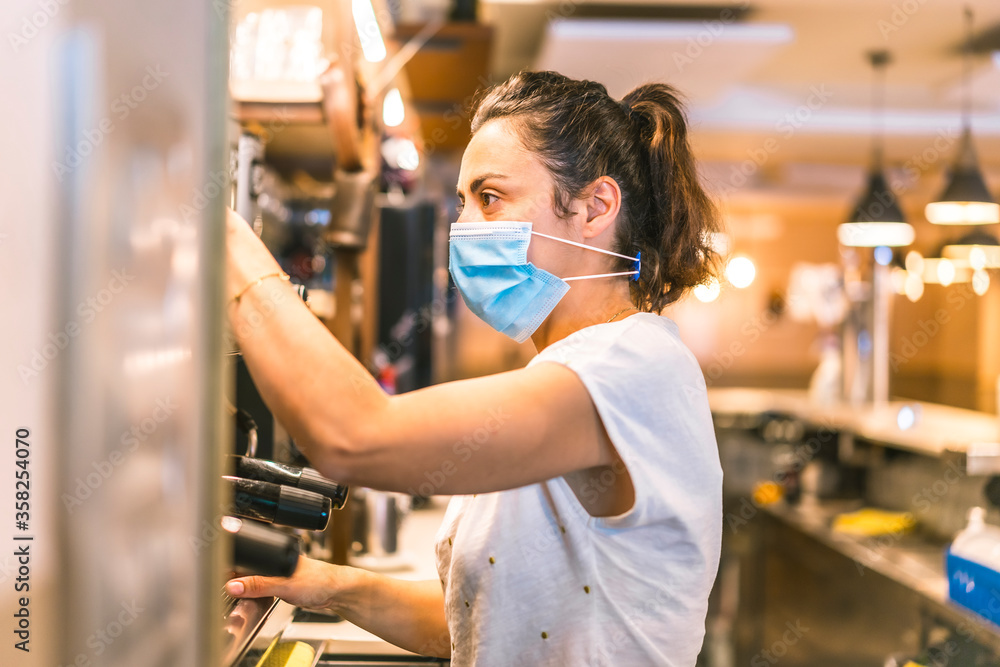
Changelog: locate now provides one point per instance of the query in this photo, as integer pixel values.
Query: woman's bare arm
(479, 435)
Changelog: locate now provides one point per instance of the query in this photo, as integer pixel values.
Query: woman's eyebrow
(478, 183)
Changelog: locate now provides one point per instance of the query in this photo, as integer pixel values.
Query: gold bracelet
(277, 274)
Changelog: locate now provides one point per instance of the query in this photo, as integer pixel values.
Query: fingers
(255, 587)
(310, 587)
(234, 219)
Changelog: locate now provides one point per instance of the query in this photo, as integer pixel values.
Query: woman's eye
(488, 198)
(460, 207)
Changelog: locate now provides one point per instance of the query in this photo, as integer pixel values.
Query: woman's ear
(602, 202)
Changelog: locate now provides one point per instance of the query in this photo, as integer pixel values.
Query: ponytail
(675, 238)
(580, 134)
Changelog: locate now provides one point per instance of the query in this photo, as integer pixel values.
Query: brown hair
(581, 133)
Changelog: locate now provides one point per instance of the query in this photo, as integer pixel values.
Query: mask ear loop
(636, 261)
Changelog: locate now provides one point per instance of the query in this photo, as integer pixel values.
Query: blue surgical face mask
(489, 264)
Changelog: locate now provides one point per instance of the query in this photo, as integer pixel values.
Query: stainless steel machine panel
(141, 107)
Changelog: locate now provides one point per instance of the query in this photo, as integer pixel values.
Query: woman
(595, 534)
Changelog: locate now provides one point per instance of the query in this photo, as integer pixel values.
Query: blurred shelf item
(322, 303)
(307, 119)
(276, 92)
(922, 428)
(288, 113)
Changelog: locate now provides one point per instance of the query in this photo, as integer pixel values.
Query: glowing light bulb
(962, 213)
(401, 153)
(872, 234)
(898, 278)
(906, 418)
(914, 262)
(409, 157)
(708, 292)
(740, 272)
(977, 258)
(393, 111)
(914, 287)
(372, 44)
(946, 272)
(980, 282)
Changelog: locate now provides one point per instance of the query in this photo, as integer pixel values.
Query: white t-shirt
(530, 578)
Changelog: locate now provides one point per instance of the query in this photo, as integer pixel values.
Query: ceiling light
(874, 234)
(981, 250)
(877, 219)
(372, 44)
(943, 271)
(966, 200)
(393, 111)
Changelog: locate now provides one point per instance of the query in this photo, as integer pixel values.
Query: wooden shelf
(276, 92)
(285, 102)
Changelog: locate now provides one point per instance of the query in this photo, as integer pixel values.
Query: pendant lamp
(966, 200)
(877, 219)
(980, 249)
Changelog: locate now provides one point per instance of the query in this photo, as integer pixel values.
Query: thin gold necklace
(623, 310)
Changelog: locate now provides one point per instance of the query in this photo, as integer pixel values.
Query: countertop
(909, 560)
(924, 428)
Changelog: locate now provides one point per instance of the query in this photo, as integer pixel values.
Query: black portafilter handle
(262, 550)
(306, 479)
(279, 504)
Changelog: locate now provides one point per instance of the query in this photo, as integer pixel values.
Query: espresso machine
(278, 512)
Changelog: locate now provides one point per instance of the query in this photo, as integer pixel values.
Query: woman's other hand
(313, 585)
(409, 614)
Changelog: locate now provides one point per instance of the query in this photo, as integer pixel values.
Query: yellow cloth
(869, 522)
(767, 493)
(288, 654)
